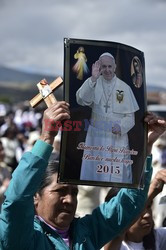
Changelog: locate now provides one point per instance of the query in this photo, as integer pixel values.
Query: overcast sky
(32, 32)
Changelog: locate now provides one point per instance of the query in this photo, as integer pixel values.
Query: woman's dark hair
(51, 169)
(112, 193)
(149, 240)
(164, 222)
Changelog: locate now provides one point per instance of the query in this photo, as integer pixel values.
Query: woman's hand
(156, 127)
(56, 113)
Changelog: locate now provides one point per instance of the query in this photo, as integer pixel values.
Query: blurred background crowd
(20, 127)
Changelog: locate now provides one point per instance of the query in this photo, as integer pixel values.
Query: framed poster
(105, 141)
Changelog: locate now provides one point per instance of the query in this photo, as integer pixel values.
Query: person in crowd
(10, 143)
(33, 192)
(22, 145)
(142, 235)
(113, 116)
(5, 174)
(8, 122)
(56, 145)
(164, 222)
(158, 163)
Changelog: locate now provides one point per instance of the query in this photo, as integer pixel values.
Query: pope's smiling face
(108, 67)
(57, 204)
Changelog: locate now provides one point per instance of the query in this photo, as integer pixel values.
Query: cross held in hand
(46, 92)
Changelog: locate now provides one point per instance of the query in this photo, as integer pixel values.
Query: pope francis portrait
(107, 156)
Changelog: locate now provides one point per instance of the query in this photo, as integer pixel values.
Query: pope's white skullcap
(107, 54)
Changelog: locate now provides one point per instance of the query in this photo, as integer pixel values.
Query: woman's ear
(36, 199)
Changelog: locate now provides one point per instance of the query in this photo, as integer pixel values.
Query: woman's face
(57, 204)
(144, 224)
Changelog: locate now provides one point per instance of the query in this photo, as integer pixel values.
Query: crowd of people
(53, 206)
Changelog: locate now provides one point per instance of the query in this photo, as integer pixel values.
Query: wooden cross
(46, 92)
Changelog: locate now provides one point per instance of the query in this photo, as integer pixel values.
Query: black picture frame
(75, 131)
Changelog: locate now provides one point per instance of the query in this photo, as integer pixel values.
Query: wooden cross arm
(39, 98)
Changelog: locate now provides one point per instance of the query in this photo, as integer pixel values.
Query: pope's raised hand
(96, 71)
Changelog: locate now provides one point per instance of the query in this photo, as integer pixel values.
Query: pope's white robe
(109, 162)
